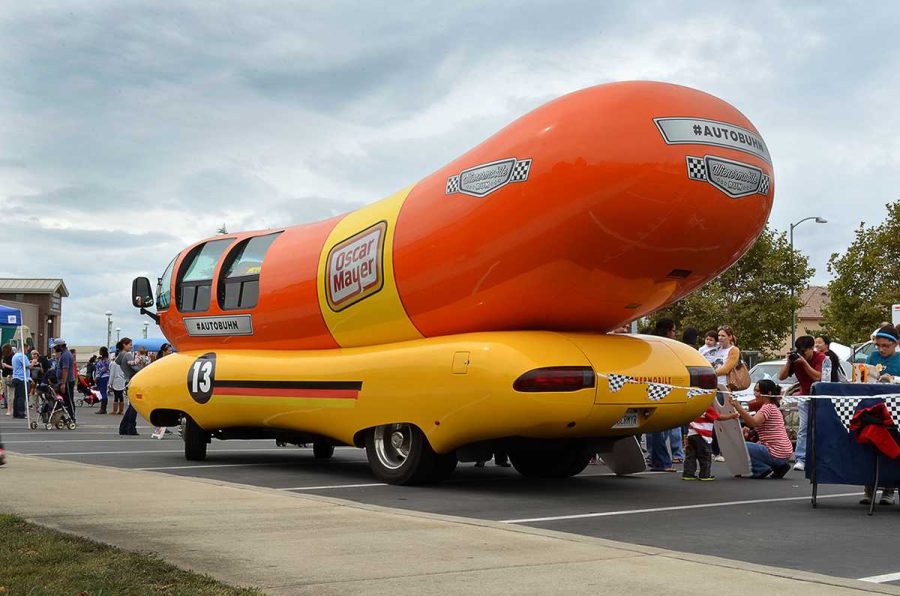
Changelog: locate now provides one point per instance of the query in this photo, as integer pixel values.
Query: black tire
(415, 461)
(195, 440)
(561, 461)
(322, 450)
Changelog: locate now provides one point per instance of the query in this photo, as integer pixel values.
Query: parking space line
(110, 440)
(660, 509)
(301, 488)
(136, 451)
(881, 579)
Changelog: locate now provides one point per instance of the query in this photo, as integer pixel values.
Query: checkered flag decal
(520, 170)
(764, 185)
(695, 392)
(616, 382)
(656, 392)
(452, 184)
(845, 409)
(696, 168)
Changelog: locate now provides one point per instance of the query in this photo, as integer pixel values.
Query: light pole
(108, 328)
(145, 329)
(820, 220)
(118, 331)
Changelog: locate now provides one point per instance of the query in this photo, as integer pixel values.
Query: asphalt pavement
(769, 523)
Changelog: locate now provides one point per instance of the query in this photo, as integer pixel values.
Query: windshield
(770, 371)
(164, 287)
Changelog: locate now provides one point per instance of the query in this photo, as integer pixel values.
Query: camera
(793, 355)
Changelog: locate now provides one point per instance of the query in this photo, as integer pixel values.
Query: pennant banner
(695, 392)
(616, 382)
(657, 391)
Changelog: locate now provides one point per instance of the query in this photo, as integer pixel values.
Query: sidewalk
(286, 543)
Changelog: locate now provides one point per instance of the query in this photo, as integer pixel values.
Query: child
(698, 449)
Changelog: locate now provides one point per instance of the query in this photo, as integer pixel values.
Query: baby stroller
(89, 395)
(52, 409)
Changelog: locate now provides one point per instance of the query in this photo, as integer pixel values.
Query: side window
(163, 288)
(239, 285)
(194, 285)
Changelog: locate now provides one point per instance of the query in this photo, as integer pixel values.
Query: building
(40, 301)
(809, 316)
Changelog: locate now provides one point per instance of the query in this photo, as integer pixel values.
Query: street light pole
(145, 329)
(820, 220)
(108, 328)
(118, 331)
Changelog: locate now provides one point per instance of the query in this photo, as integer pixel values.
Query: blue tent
(12, 317)
(153, 344)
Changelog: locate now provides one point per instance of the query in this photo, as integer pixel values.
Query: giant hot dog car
(469, 312)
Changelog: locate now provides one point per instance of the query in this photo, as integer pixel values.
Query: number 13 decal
(201, 378)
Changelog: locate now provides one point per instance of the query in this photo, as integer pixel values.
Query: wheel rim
(392, 444)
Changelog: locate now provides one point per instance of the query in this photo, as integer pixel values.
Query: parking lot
(768, 522)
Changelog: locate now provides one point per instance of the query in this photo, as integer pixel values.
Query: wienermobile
(468, 312)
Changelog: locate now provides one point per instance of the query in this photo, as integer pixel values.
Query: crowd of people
(767, 440)
(59, 371)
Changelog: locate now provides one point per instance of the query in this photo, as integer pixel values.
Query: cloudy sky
(129, 129)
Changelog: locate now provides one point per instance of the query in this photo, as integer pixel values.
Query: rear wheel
(195, 440)
(560, 461)
(400, 454)
(322, 450)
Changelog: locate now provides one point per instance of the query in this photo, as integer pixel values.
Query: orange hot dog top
(590, 211)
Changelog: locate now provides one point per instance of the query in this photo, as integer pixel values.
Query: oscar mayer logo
(354, 268)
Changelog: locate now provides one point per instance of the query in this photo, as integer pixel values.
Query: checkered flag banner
(695, 392)
(764, 185)
(696, 168)
(520, 170)
(845, 408)
(616, 382)
(452, 184)
(657, 391)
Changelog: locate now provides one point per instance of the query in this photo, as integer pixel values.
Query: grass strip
(37, 561)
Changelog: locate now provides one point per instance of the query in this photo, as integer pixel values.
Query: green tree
(865, 280)
(753, 296)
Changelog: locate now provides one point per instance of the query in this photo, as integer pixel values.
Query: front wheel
(33, 425)
(72, 425)
(400, 454)
(195, 440)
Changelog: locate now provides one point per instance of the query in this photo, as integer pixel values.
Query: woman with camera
(805, 364)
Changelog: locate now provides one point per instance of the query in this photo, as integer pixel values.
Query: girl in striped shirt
(771, 454)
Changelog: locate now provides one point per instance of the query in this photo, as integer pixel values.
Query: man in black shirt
(823, 345)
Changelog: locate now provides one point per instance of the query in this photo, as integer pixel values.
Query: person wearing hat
(885, 339)
(65, 374)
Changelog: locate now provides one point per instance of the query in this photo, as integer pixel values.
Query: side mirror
(141, 293)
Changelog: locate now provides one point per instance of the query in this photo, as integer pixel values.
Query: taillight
(703, 377)
(556, 378)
